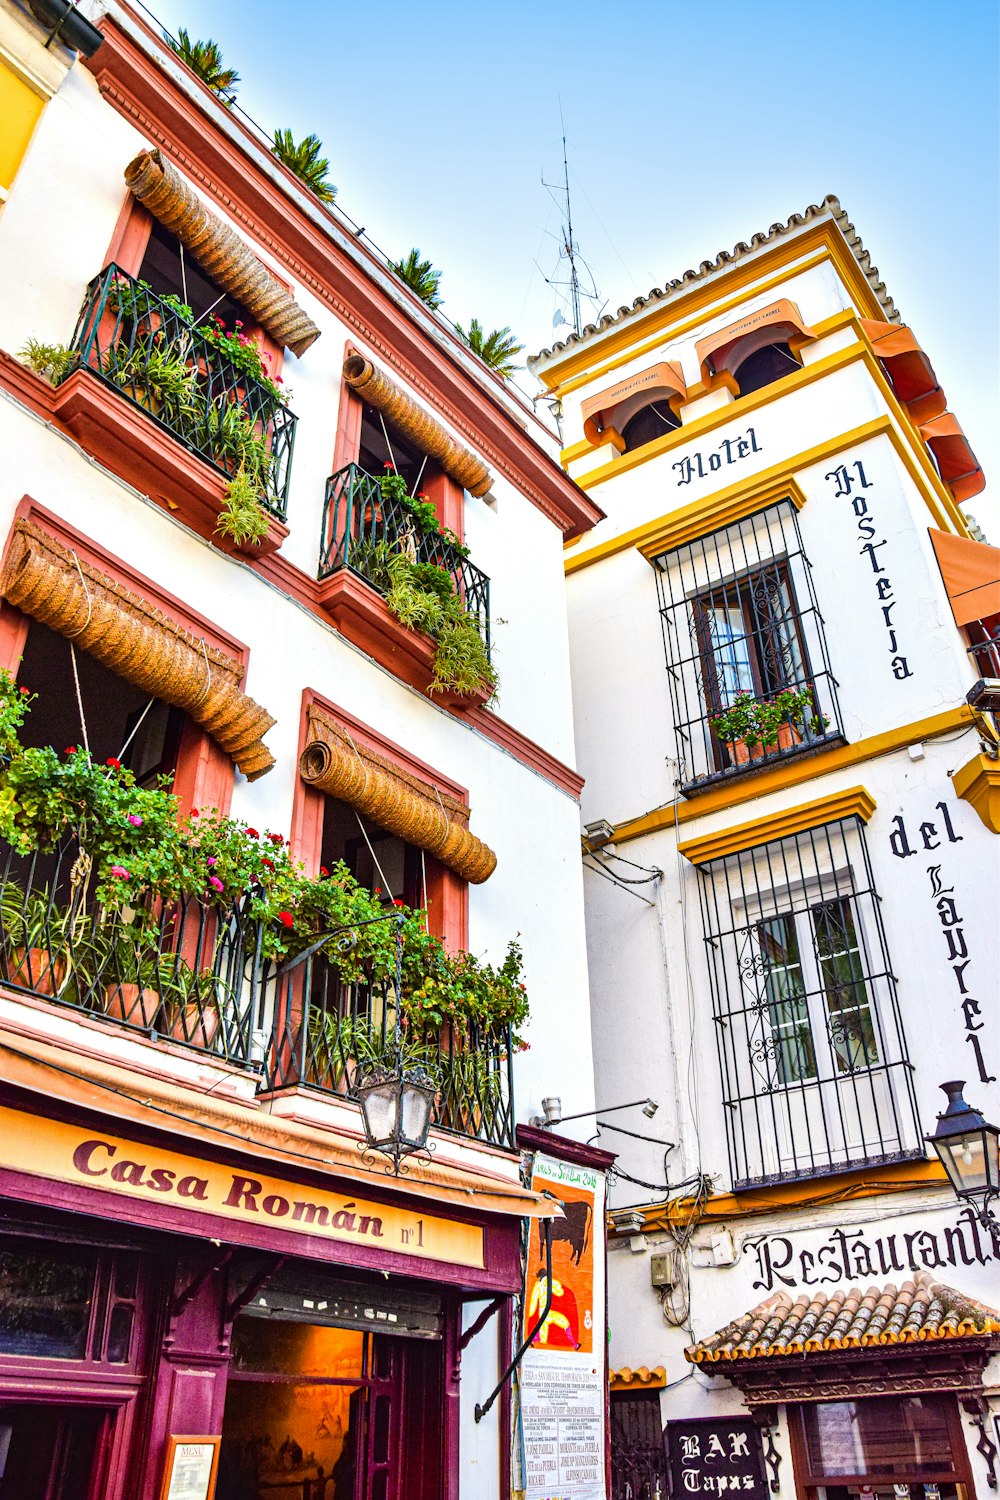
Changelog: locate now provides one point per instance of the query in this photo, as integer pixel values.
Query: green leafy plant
(498, 349)
(758, 721)
(245, 355)
(420, 276)
(157, 375)
(242, 517)
(136, 300)
(205, 59)
(52, 361)
(304, 159)
(424, 597)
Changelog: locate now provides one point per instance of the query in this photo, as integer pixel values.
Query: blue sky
(689, 128)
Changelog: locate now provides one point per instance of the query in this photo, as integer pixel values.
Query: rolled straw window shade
(417, 424)
(124, 632)
(402, 804)
(219, 251)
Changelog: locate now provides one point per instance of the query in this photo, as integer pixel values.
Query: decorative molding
(978, 783)
(952, 1365)
(855, 802)
(722, 509)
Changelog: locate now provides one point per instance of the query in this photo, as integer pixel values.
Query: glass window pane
(120, 1334)
(849, 1020)
(45, 1300)
(904, 1438)
(783, 1001)
(265, 1344)
(730, 646)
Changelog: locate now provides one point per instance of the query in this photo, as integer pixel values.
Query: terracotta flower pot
(37, 970)
(195, 1024)
(127, 1002)
(742, 753)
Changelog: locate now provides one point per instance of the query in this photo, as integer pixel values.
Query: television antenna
(579, 282)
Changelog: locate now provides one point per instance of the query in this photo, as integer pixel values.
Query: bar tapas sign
(191, 1469)
(715, 1456)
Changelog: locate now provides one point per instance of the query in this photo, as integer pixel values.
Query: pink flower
(211, 861)
(135, 820)
(216, 883)
(278, 380)
(119, 872)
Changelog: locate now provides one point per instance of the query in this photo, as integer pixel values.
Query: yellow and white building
(792, 814)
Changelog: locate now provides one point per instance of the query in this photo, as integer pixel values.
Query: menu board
(715, 1456)
(191, 1468)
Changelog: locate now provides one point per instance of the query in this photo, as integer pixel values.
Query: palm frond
(303, 158)
(420, 276)
(205, 59)
(498, 349)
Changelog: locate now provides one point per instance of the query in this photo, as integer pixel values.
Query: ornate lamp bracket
(979, 1411)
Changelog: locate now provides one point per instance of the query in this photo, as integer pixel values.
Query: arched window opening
(764, 367)
(649, 422)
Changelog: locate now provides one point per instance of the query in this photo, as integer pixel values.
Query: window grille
(815, 1073)
(638, 1457)
(740, 617)
(984, 646)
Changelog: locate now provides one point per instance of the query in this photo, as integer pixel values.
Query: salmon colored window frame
(205, 776)
(443, 492)
(128, 247)
(447, 893)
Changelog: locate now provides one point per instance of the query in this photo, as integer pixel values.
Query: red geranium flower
(276, 839)
(113, 762)
(25, 691)
(268, 864)
(195, 813)
(286, 919)
(323, 870)
(388, 465)
(70, 750)
(252, 833)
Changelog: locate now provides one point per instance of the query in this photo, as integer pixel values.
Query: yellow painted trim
(870, 1182)
(793, 773)
(978, 783)
(855, 802)
(700, 518)
(825, 236)
(577, 450)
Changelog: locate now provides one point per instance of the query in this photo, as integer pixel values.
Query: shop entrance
(322, 1411)
(48, 1452)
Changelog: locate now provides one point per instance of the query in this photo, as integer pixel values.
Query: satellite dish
(559, 317)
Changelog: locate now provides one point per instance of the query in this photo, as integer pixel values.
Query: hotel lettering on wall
(715, 1456)
(934, 834)
(850, 481)
(700, 465)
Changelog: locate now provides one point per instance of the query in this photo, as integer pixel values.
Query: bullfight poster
(563, 1382)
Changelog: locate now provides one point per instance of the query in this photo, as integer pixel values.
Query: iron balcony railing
(325, 1031)
(814, 1067)
(141, 345)
(195, 973)
(174, 968)
(361, 528)
(741, 622)
(985, 651)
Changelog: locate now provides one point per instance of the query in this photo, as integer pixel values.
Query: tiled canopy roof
(917, 1311)
(829, 205)
(642, 1378)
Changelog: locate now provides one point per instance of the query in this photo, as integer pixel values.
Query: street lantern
(969, 1149)
(396, 1106)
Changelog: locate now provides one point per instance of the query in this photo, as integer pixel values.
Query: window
(169, 270)
(912, 1444)
(815, 1074)
(638, 1458)
(764, 367)
(741, 625)
(650, 422)
(396, 870)
(984, 645)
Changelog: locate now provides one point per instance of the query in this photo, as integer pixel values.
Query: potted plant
(35, 945)
(193, 999)
(156, 375)
(753, 727)
(52, 361)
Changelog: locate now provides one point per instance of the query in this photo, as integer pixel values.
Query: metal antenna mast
(570, 250)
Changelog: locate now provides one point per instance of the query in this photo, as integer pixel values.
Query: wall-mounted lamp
(599, 833)
(554, 1116)
(969, 1149)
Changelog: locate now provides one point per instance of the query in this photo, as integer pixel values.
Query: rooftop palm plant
(205, 59)
(420, 276)
(303, 158)
(498, 349)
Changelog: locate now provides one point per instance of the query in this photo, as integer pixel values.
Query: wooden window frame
(807, 1483)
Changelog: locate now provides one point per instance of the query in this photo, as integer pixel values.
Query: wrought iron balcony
(361, 527)
(142, 346)
(174, 968)
(325, 1029)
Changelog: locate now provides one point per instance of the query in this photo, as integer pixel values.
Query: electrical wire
(606, 875)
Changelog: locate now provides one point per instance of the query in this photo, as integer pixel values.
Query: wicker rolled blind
(417, 424)
(403, 805)
(137, 641)
(219, 250)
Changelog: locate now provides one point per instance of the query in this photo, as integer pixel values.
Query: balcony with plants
(207, 386)
(205, 932)
(402, 586)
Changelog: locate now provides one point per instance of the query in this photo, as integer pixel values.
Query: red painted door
(402, 1425)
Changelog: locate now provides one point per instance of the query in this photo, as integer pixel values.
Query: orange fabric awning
(957, 464)
(767, 321)
(205, 1121)
(612, 408)
(908, 368)
(971, 573)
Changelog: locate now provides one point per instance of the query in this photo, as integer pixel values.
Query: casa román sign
(701, 465)
(67, 1153)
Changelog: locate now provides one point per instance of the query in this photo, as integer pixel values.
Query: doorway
(49, 1452)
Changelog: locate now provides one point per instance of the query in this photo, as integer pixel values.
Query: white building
(792, 914)
(125, 605)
